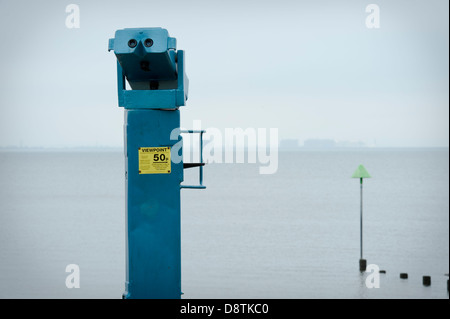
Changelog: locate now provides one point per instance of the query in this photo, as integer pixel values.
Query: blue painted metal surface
(147, 59)
(153, 210)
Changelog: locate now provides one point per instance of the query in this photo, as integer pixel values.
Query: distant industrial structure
(293, 144)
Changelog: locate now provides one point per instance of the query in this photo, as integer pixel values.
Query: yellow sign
(154, 160)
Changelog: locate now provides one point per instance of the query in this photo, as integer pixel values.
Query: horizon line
(24, 148)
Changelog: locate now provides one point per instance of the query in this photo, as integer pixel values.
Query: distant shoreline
(281, 150)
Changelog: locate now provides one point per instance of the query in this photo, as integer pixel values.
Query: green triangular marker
(361, 172)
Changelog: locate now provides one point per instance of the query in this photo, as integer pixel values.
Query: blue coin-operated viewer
(157, 86)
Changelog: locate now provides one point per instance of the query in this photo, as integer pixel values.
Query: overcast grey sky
(310, 68)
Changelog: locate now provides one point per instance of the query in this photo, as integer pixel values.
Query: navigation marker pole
(361, 173)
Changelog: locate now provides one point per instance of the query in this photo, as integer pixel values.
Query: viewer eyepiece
(148, 42)
(132, 43)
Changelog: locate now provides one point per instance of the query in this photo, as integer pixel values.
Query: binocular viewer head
(147, 57)
(148, 60)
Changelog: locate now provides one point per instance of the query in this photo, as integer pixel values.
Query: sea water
(293, 234)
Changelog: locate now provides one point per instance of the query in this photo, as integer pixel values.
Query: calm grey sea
(294, 234)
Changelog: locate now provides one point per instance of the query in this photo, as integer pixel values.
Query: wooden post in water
(426, 280)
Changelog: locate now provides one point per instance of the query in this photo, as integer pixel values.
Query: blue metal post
(201, 158)
(148, 60)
